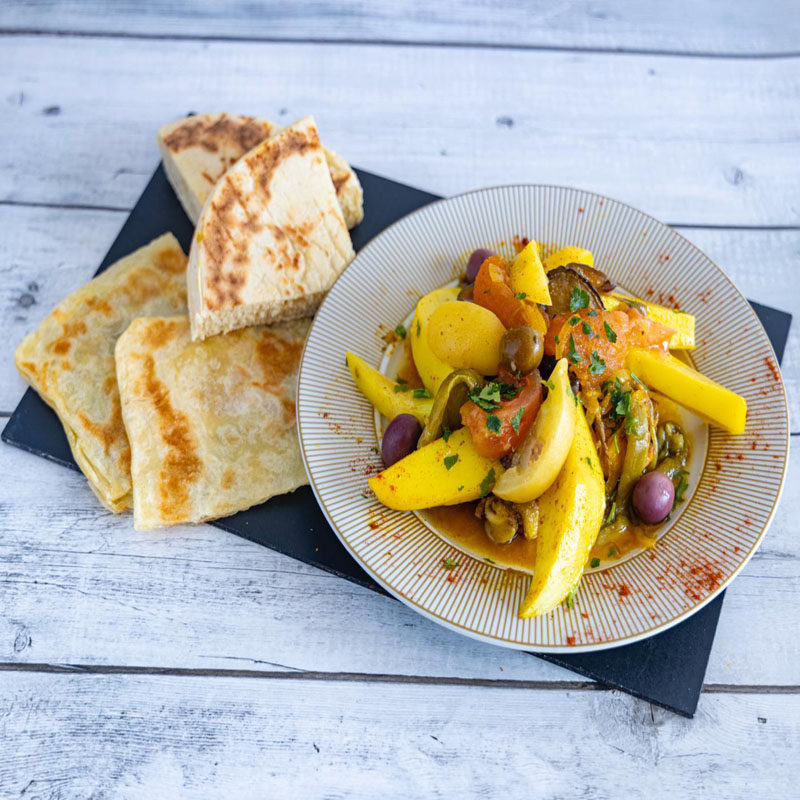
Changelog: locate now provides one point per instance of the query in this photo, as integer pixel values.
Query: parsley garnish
(486, 558)
(596, 365)
(587, 329)
(612, 515)
(592, 313)
(682, 486)
(489, 397)
(571, 597)
(549, 384)
(450, 563)
(446, 432)
(461, 487)
(556, 339)
(595, 562)
(572, 353)
(493, 423)
(421, 393)
(574, 321)
(419, 329)
(589, 461)
(521, 295)
(578, 299)
(516, 419)
(450, 461)
(401, 386)
(507, 390)
(610, 335)
(487, 483)
(612, 551)
(400, 331)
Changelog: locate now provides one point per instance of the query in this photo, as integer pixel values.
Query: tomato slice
(498, 431)
(493, 291)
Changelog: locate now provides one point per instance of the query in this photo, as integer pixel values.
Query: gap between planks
(359, 677)
(628, 51)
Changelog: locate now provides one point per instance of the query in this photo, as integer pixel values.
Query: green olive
(521, 349)
(452, 394)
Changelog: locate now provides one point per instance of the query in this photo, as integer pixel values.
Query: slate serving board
(666, 669)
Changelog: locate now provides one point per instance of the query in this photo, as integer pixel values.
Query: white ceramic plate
(735, 482)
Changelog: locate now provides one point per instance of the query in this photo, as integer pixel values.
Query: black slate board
(666, 669)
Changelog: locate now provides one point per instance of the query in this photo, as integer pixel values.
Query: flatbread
(197, 151)
(69, 359)
(271, 239)
(211, 424)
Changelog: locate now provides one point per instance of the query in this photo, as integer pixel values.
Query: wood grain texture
(737, 26)
(692, 141)
(79, 585)
(144, 737)
(46, 253)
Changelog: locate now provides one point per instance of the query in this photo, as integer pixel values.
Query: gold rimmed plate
(704, 546)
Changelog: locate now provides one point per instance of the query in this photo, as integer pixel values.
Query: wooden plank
(669, 135)
(189, 737)
(46, 253)
(79, 586)
(738, 26)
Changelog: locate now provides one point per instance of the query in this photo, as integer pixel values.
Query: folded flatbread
(197, 151)
(271, 239)
(69, 359)
(211, 424)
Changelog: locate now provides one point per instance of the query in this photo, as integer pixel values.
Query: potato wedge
(570, 516)
(380, 391)
(528, 277)
(687, 387)
(549, 442)
(431, 369)
(466, 335)
(568, 255)
(442, 473)
(681, 322)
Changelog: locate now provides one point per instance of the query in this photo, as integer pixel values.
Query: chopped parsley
(461, 487)
(489, 397)
(578, 299)
(589, 462)
(592, 313)
(595, 562)
(574, 321)
(612, 515)
(445, 432)
(450, 461)
(621, 406)
(450, 563)
(571, 597)
(489, 560)
(610, 334)
(521, 295)
(572, 354)
(516, 419)
(587, 329)
(422, 392)
(493, 423)
(682, 486)
(556, 339)
(488, 482)
(401, 331)
(596, 364)
(401, 385)
(419, 329)
(612, 551)
(549, 384)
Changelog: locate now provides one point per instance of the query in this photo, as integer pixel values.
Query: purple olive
(653, 497)
(475, 260)
(400, 438)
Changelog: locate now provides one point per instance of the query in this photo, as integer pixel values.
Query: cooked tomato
(553, 329)
(493, 291)
(498, 431)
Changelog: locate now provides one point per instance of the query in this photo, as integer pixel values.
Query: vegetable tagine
(549, 401)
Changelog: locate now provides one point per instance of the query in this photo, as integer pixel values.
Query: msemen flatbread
(69, 359)
(211, 424)
(271, 239)
(197, 151)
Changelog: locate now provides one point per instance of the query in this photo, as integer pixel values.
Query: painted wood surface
(735, 27)
(283, 680)
(691, 141)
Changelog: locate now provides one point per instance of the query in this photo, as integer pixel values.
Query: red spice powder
(773, 369)
(624, 590)
(570, 640)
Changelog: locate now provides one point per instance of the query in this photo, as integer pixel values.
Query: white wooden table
(191, 663)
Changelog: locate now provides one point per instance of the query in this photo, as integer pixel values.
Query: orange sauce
(459, 525)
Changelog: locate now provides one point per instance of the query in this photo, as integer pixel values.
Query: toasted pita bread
(69, 359)
(197, 151)
(271, 239)
(211, 424)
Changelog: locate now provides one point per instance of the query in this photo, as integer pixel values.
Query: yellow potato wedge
(687, 387)
(528, 277)
(380, 391)
(679, 321)
(442, 473)
(431, 369)
(550, 440)
(570, 515)
(466, 335)
(568, 255)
